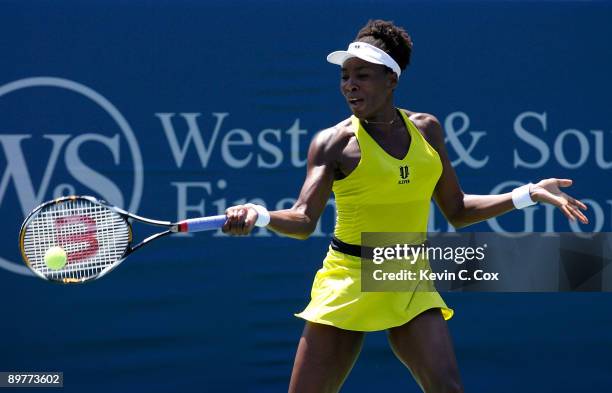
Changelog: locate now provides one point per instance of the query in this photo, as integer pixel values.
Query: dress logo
(404, 173)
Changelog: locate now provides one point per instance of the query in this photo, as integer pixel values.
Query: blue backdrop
(182, 108)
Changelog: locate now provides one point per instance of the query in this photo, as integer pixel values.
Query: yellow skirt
(337, 299)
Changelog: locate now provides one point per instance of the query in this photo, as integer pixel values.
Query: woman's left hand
(548, 191)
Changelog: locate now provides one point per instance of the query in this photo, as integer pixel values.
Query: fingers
(575, 202)
(568, 205)
(572, 212)
(566, 211)
(573, 206)
(240, 220)
(576, 213)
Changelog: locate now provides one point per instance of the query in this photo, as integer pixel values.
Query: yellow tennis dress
(383, 194)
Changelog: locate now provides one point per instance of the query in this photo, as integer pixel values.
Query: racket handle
(201, 224)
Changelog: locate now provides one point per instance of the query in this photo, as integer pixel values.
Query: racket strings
(93, 236)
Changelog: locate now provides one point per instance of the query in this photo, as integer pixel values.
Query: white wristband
(521, 197)
(263, 216)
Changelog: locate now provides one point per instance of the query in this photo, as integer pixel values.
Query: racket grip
(201, 224)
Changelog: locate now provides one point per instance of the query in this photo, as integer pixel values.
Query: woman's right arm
(301, 219)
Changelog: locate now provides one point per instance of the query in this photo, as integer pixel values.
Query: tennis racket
(95, 235)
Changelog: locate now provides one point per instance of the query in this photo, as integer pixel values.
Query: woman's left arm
(462, 209)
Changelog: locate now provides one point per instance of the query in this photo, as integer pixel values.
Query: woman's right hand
(300, 220)
(240, 220)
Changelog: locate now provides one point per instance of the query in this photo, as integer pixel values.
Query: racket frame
(172, 227)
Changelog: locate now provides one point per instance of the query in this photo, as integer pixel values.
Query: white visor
(366, 52)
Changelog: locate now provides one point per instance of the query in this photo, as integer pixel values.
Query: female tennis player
(363, 160)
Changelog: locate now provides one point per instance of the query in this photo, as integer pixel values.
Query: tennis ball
(55, 258)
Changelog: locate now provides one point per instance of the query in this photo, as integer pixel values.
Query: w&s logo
(59, 137)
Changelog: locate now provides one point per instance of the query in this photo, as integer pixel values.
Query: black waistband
(358, 251)
(351, 249)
